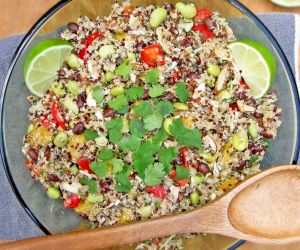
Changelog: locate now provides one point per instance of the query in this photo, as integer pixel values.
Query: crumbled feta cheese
(90, 101)
(73, 188)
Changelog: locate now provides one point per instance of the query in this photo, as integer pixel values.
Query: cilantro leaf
(165, 108)
(143, 109)
(154, 174)
(124, 69)
(124, 184)
(153, 121)
(167, 155)
(134, 93)
(143, 156)
(117, 165)
(118, 103)
(90, 183)
(98, 94)
(252, 160)
(184, 136)
(124, 109)
(114, 127)
(106, 154)
(182, 173)
(129, 143)
(136, 127)
(159, 137)
(99, 168)
(182, 92)
(156, 91)
(90, 134)
(152, 76)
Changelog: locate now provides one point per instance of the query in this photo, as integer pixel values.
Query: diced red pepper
(243, 84)
(71, 201)
(45, 121)
(158, 191)
(87, 42)
(84, 164)
(57, 116)
(234, 106)
(206, 33)
(127, 10)
(153, 55)
(183, 155)
(32, 167)
(201, 15)
(172, 174)
(182, 182)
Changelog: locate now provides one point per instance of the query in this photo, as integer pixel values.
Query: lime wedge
(256, 63)
(42, 63)
(287, 3)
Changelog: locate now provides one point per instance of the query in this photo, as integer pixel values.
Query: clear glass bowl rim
(60, 5)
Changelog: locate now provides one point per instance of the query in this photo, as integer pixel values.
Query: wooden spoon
(263, 209)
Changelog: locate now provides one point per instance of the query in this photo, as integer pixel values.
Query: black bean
(108, 113)
(241, 95)
(139, 46)
(201, 167)
(61, 72)
(258, 149)
(266, 135)
(47, 153)
(170, 97)
(81, 99)
(251, 144)
(146, 95)
(105, 185)
(258, 115)
(53, 177)
(78, 128)
(193, 75)
(242, 165)
(73, 27)
(33, 154)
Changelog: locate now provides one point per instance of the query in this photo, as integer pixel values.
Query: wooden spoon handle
(106, 237)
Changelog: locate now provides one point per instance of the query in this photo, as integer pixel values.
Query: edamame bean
(117, 91)
(70, 105)
(166, 124)
(74, 169)
(208, 157)
(61, 139)
(74, 88)
(240, 141)
(146, 211)
(199, 179)
(157, 17)
(252, 129)
(213, 69)
(180, 106)
(109, 76)
(195, 198)
(53, 193)
(95, 198)
(58, 89)
(73, 61)
(186, 10)
(223, 95)
(106, 50)
(130, 56)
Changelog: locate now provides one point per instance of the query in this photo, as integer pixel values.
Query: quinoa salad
(148, 116)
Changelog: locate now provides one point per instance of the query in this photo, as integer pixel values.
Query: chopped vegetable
(195, 198)
(117, 91)
(186, 10)
(84, 164)
(72, 201)
(157, 17)
(53, 193)
(240, 141)
(153, 55)
(60, 140)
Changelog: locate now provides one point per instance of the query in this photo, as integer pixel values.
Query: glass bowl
(49, 214)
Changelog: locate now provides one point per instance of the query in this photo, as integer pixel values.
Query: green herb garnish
(182, 92)
(90, 134)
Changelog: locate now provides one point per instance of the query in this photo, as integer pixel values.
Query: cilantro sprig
(120, 104)
(124, 69)
(134, 93)
(152, 76)
(184, 136)
(182, 92)
(114, 127)
(90, 183)
(154, 174)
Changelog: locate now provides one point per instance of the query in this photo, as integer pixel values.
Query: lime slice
(42, 63)
(287, 3)
(256, 63)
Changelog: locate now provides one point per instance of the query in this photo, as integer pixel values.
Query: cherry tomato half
(158, 191)
(201, 15)
(153, 55)
(57, 116)
(71, 201)
(84, 164)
